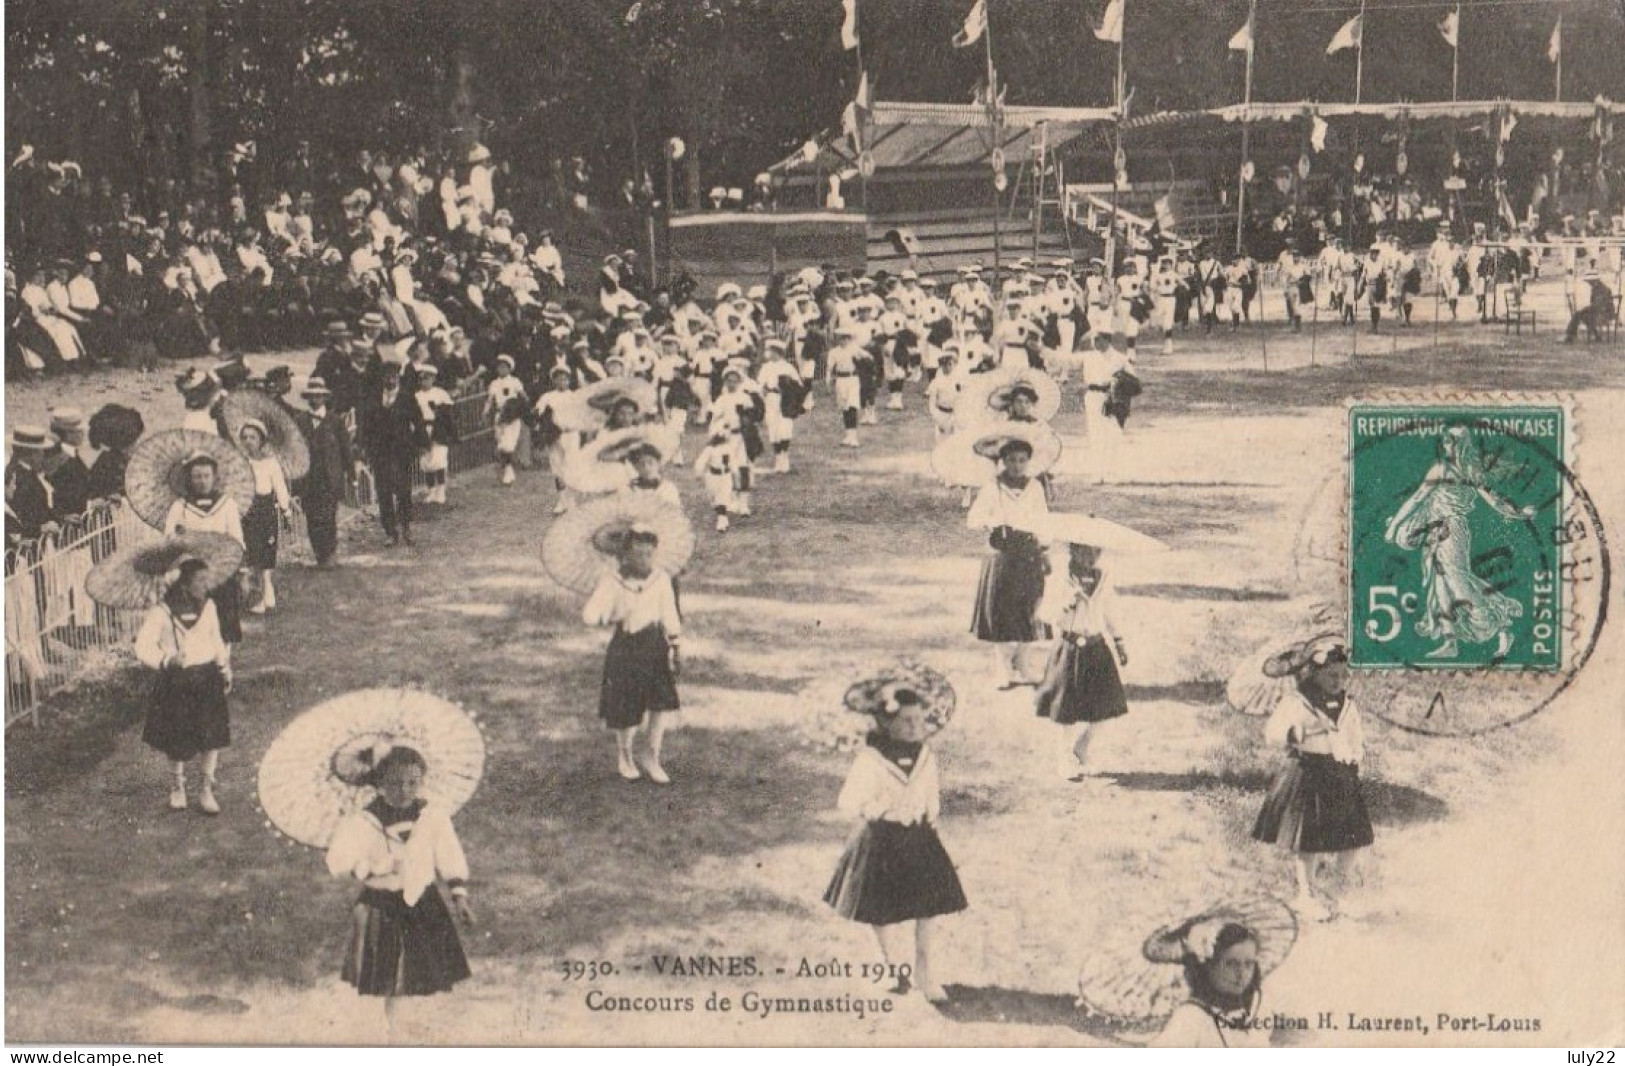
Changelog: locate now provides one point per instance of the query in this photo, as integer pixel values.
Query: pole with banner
(996, 156)
(1243, 174)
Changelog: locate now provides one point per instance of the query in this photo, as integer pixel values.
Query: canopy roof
(946, 135)
(1286, 112)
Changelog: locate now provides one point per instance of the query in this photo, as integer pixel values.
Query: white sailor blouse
(161, 639)
(877, 789)
(269, 480)
(634, 605)
(1296, 724)
(997, 504)
(404, 858)
(1066, 607)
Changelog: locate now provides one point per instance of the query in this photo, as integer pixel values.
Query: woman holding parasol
(644, 543)
(183, 481)
(374, 778)
(180, 641)
(1315, 807)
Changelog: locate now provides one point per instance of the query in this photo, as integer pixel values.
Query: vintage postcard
(814, 523)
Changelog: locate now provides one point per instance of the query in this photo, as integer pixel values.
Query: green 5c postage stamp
(1456, 536)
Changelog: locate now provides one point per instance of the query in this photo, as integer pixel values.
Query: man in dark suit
(30, 501)
(332, 461)
(391, 433)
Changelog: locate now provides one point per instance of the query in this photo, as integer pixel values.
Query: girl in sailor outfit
(505, 405)
(1081, 686)
(403, 940)
(434, 403)
(560, 442)
(271, 507)
(1315, 808)
(179, 640)
(644, 657)
(782, 389)
(205, 509)
(894, 868)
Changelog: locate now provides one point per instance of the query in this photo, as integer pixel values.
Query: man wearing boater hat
(28, 498)
(332, 463)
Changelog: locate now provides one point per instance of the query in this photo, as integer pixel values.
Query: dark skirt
(186, 712)
(1315, 805)
(637, 678)
(260, 528)
(893, 873)
(228, 607)
(1081, 684)
(1006, 597)
(396, 950)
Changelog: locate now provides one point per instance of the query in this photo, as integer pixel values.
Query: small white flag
(1111, 24)
(1243, 40)
(1317, 133)
(849, 26)
(975, 26)
(1347, 37)
(1450, 28)
(1554, 50)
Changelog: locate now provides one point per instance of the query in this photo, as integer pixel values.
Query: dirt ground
(1493, 885)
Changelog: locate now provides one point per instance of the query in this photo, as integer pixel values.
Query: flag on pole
(1243, 40)
(975, 25)
(1347, 37)
(1450, 29)
(849, 26)
(1111, 24)
(1554, 50)
(856, 111)
(1509, 122)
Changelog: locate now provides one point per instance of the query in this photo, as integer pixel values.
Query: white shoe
(722, 523)
(894, 404)
(560, 507)
(177, 798)
(507, 475)
(206, 801)
(656, 772)
(781, 465)
(627, 768)
(258, 608)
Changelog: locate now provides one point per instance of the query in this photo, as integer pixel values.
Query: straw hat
(1145, 988)
(584, 541)
(282, 435)
(600, 466)
(884, 693)
(969, 458)
(317, 770)
(30, 439)
(137, 577)
(156, 474)
(591, 405)
(1063, 528)
(988, 395)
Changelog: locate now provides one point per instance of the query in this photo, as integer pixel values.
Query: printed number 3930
(588, 970)
(1386, 602)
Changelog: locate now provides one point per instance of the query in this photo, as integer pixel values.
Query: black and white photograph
(814, 523)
